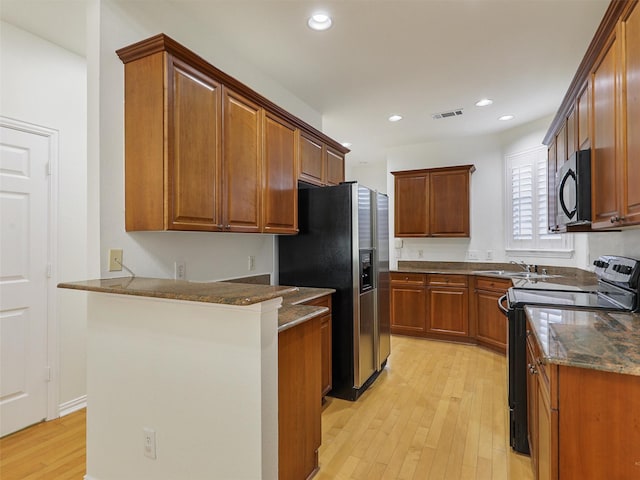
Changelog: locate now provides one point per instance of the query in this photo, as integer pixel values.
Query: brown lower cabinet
(448, 306)
(299, 400)
(326, 343)
(454, 307)
(583, 423)
(408, 304)
(490, 323)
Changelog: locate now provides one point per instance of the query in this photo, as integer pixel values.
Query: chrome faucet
(525, 266)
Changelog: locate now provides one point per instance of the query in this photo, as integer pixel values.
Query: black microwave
(573, 190)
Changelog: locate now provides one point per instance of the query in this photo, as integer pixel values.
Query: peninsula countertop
(227, 293)
(598, 340)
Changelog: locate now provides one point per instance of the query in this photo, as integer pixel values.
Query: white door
(24, 257)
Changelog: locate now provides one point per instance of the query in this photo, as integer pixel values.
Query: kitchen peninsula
(194, 366)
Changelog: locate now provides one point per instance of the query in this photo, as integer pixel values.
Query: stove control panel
(624, 271)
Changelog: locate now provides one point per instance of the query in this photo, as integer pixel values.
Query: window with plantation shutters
(526, 181)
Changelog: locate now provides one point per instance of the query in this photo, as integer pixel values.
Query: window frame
(560, 245)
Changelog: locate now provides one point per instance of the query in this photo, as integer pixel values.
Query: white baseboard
(72, 405)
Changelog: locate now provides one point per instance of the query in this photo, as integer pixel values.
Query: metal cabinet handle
(617, 219)
(532, 369)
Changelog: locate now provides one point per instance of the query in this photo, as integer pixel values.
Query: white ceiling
(412, 57)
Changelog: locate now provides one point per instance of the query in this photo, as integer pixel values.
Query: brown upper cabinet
(606, 93)
(241, 165)
(432, 202)
(280, 187)
(319, 164)
(604, 167)
(583, 102)
(205, 152)
(630, 201)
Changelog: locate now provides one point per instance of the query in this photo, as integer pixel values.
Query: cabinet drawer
(448, 280)
(409, 278)
(493, 284)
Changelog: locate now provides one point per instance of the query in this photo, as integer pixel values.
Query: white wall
(372, 175)
(208, 256)
(44, 84)
(486, 217)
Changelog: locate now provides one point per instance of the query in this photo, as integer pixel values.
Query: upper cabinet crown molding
(164, 43)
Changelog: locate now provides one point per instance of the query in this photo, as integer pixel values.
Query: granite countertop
(228, 293)
(560, 277)
(608, 341)
(292, 313)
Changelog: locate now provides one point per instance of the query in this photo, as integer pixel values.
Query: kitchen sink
(510, 274)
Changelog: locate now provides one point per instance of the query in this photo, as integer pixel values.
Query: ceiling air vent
(453, 113)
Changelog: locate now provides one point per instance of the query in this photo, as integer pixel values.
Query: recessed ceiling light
(346, 144)
(319, 21)
(395, 118)
(484, 102)
(504, 118)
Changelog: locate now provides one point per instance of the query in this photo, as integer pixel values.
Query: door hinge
(49, 270)
(47, 374)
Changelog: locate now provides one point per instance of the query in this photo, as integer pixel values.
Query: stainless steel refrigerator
(344, 244)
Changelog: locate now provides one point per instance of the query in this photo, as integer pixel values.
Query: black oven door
(517, 373)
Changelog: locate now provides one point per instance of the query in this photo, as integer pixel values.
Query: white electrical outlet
(115, 259)
(251, 262)
(180, 270)
(473, 255)
(489, 255)
(149, 442)
(420, 253)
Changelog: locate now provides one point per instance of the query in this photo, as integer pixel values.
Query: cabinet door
(408, 310)
(280, 186)
(552, 206)
(448, 311)
(299, 401)
(604, 149)
(311, 160)
(411, 214)
(492, 324)
(327, 364)
(631, 174)
(583, 118)
(242, 127)
(449, 204)
(335, 166)
(194, 149)
(561, 145)
(545, 442)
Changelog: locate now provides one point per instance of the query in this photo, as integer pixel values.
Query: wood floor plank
(438, 411)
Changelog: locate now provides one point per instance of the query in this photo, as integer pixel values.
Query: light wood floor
(47, 451)
(438, 411)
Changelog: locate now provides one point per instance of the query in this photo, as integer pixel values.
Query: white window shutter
(527, 213)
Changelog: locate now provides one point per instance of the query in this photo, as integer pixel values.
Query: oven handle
(501, 305)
